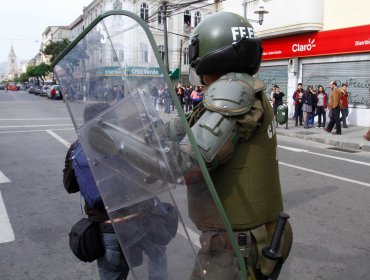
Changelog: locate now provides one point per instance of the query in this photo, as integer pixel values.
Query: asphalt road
(326, 192)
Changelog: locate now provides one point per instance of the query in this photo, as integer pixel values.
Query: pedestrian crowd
(316, 102)
(189, 97)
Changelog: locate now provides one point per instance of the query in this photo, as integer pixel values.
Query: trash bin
(282, 114)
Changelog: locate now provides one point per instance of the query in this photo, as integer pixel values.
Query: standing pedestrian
(311, 119)
(187, 98)
(166, 100)
(344, 105)
(154, 92)
(112, 264)
(180, 94)
(277, 99)
(297, 97)
(334, 107)
(322, 104)
(273, 90)
(196, 96)
(307, 105)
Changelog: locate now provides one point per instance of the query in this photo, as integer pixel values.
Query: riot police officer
(234, 129)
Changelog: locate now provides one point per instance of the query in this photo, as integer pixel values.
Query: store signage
(339, 41)
(130, 71)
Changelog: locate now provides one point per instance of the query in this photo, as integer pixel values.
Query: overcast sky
(22, 22)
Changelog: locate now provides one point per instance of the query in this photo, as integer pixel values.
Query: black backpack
(69, 177)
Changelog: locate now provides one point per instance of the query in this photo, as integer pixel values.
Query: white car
(53, 92)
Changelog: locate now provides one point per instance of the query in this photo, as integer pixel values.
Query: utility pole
(245, 8)
(181, 42)
(166, 62)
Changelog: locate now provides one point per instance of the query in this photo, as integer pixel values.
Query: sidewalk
(351, 137)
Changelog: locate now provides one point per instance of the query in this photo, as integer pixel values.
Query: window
(161, 15)
(187, 18)
(144, 12)
(161, 51)
(186, 56)
(197, 18)
(143, 53)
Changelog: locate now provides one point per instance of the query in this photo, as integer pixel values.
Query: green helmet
(225, 42)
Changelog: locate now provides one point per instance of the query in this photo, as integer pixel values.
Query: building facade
(180, 23)
(314, 42)
(12, 66)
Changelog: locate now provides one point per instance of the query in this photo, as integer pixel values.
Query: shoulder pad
(232, 94)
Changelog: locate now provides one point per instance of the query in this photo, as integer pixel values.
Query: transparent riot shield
(147, 166)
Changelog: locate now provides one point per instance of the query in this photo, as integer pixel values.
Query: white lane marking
(3, 178)
(34, 125)
(34, 130)
(323, 155)
(325, 174)
(194, 237)
(6, 230)
(36, 119)
(60, 139)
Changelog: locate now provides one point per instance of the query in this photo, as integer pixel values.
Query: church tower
(12, 69)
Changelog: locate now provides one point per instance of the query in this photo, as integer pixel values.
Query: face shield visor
(194, 60)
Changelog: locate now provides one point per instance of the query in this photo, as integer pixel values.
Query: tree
(39, 71)
(55, 48)
(22, 78)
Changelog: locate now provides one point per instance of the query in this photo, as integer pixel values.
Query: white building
(181, 22)
(52, 34)
(314, 42)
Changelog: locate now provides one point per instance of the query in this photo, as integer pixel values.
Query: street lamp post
(166, 62)
(261, 11)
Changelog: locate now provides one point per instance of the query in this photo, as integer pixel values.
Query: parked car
(54, 92)
(31, 89)
(2, 87)
(12, 87)
(44, 91)
(37, 90)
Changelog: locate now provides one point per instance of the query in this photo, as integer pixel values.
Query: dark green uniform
(245, 173)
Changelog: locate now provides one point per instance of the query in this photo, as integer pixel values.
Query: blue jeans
(155, 101)
(344, 112)
(112, 265)
(136, 242)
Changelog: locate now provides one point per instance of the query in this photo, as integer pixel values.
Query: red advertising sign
(339, 41)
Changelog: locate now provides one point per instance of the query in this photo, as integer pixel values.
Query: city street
(326, 192)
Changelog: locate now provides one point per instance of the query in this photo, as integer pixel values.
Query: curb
(344, 143)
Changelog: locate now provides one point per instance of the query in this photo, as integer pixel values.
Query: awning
(175, 74)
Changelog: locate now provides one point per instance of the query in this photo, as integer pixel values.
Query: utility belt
(253, 246)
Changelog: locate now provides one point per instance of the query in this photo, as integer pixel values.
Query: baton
(271, 252)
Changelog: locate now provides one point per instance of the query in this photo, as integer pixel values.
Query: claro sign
(304, 47)
(339, 41)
